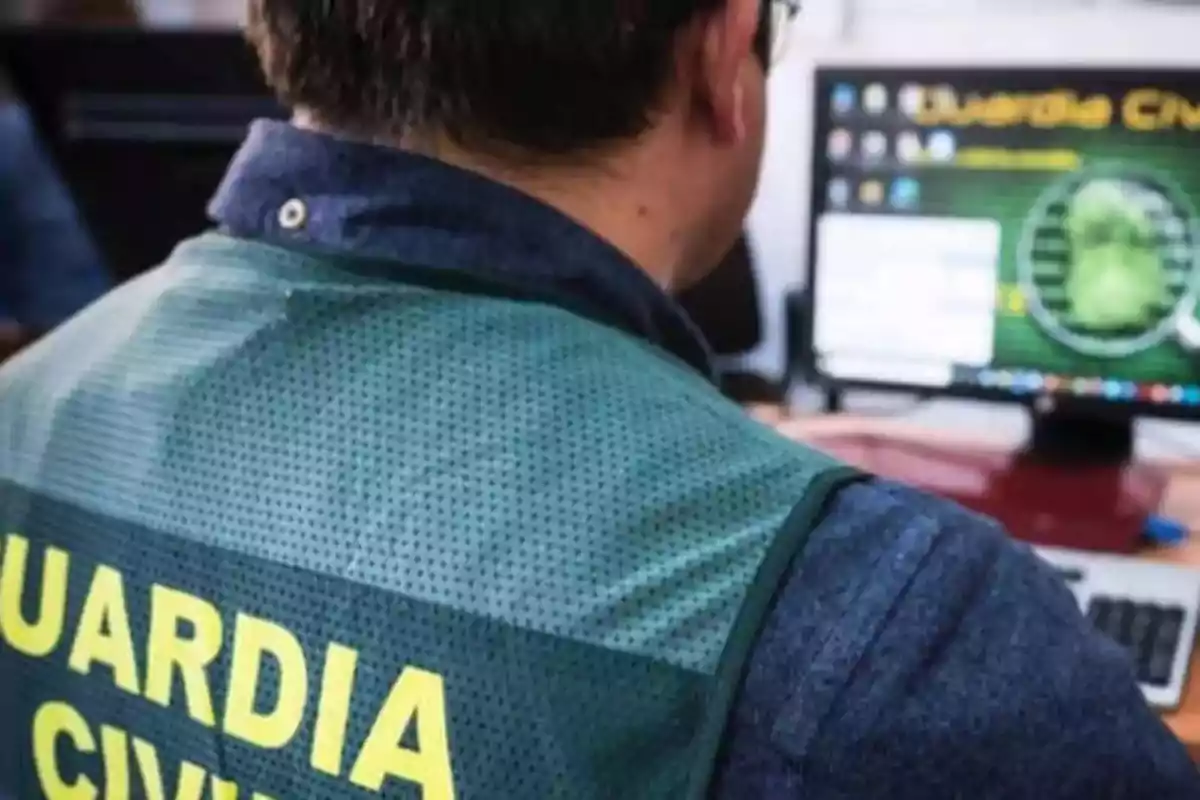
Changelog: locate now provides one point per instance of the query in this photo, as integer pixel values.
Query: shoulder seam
(789, 544)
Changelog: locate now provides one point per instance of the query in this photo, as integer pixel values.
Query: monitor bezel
(824, 76)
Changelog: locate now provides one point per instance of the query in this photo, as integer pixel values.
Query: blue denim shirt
(915, 653)
(49, 266)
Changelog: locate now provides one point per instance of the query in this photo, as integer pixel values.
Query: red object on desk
(1082, 507)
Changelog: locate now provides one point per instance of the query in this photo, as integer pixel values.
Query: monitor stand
(1072, 484)
(1073, 439)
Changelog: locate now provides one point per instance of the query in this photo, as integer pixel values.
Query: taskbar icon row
(1029, 382)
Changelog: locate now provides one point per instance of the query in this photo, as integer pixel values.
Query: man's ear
(727, 53)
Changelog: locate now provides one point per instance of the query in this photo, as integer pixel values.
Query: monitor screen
(1008, 233)
(141, 125)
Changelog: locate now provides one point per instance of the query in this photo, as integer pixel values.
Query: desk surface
(1181, 501)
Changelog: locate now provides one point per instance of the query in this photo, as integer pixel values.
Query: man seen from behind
(411, 479)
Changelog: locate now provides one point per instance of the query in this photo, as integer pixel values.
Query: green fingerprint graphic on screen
(1108, 260)
(1116, 279)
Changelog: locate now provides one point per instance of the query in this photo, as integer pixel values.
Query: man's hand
(12, 338)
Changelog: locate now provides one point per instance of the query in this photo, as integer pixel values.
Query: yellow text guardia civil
(102, 646)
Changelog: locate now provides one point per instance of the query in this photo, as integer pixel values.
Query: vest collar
(290, 186)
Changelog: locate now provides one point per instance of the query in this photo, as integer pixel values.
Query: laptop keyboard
(1149, 609)
(1152, 633)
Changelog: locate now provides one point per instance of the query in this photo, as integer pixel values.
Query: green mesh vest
(281, 527)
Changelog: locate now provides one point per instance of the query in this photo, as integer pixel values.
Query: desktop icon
(1160, 393)
(874, 146)
(1027, 382)
(1014, 301)
(942, 146)
(1191, 395)
(1004, 379)
(870, 193)
(942, 97)
(875, 98)
(1114, 390)
(1177, 394)
(838, 193)
(843, 99)
(841, 142)
(911, 99)
(1052, 383)
(909, 148)
(905, 194)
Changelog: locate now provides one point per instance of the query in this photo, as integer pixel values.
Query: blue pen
(1163, 530)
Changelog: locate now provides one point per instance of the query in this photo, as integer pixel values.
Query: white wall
(931, 32)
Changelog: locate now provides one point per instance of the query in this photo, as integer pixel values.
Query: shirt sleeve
(51, 267)
(919, 652)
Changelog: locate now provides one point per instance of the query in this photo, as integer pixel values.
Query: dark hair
(546, 77)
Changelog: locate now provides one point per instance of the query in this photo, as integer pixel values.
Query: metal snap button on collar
(293, 215)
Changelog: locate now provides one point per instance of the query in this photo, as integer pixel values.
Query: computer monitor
(141, 124)
(1011, 234)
